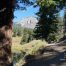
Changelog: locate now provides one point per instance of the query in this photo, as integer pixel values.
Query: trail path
(54, 55)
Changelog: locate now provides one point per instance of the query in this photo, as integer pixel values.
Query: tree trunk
(6, 16)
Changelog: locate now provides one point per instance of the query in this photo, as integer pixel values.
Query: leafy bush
(36, 46)
(31, 48)
(27, 36)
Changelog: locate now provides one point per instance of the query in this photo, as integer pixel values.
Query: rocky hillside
(28, 22)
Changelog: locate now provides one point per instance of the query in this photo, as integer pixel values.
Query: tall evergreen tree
(47, 27)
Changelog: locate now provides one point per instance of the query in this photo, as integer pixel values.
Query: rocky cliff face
(28, 22)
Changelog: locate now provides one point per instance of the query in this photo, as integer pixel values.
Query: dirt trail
(54, 55)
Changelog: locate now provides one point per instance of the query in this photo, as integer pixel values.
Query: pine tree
(47, 27)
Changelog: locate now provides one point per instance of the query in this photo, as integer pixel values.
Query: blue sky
(62, 13)
(21, 14)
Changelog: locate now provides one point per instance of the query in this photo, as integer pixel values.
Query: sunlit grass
(29, 48)
(16, 47)
(35, 44)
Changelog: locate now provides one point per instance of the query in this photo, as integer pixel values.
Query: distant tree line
(25, 33)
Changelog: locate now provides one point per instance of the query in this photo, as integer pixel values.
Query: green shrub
(27, 36)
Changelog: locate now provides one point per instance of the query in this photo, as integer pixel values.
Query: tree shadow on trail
(56, 61)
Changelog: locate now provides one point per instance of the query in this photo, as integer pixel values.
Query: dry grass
(16, 47)
(29, 48)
